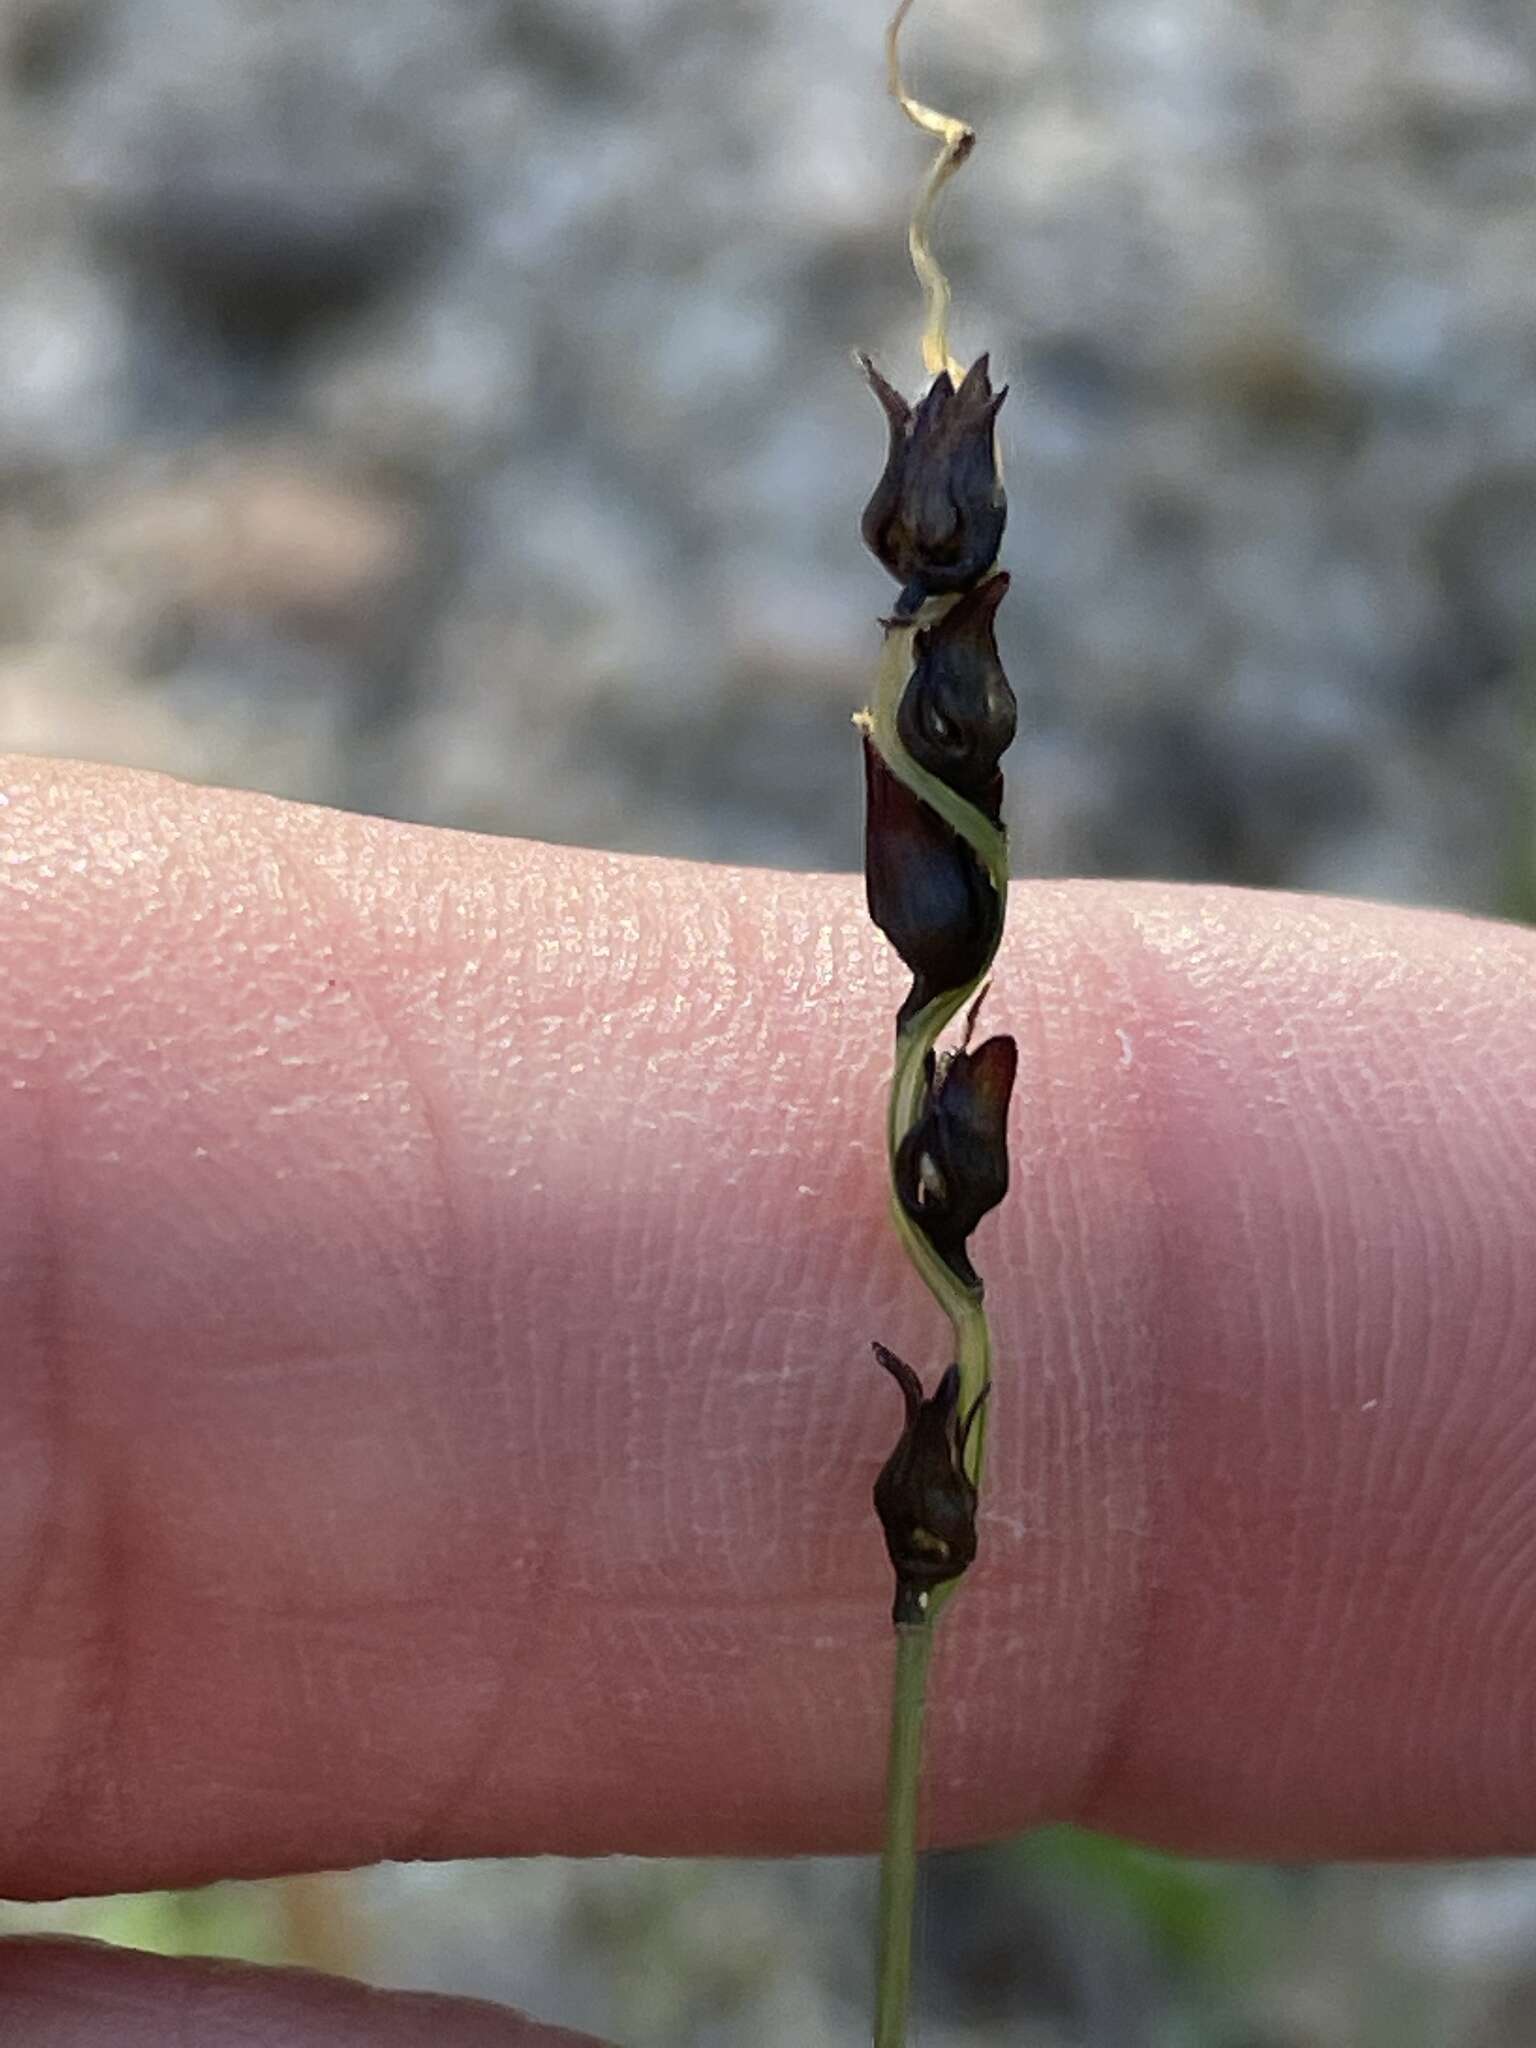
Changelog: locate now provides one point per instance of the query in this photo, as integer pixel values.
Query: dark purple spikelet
(952, 1166)
(935, 521)
(937, 515)
(924, 1496)
(925, 888)
(958, 713)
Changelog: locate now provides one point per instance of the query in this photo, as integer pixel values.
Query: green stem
(898, 1865)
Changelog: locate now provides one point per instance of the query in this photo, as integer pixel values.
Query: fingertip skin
(80, 1994)
(1337, 1609)
(437, 1413)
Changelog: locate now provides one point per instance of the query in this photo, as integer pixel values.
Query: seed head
(958, 714)
(924, 1496)
(952, 1166)
(938, 512)
(925, 888)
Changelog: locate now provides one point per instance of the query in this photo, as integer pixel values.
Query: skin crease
(436, 1411)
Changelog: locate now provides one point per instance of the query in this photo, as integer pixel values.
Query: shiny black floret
(958, 714)
(938, 512)
(952, 1166)
(925, 888)
(923, 1496)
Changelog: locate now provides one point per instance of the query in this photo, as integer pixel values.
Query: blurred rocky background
(444, 408)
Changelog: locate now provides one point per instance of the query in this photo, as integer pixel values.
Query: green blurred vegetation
(1200, 1917)
(242, 1921)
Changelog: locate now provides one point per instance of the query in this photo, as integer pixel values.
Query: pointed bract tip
(911, 1386)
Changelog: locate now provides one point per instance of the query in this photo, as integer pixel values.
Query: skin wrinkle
(531, 1016)
(1365, 1365)
(80, 1515)
(1510, 1523)
(1409, 1275)
(675, 1305)
(1164, 1144)
(464, 1793)
(120, 1524)
(1309, 1253)
(1214, 1060)
(58, 1442)
(461, 1765)
(1155, 1540)
(1071, 1363)
(1337, 1243)
(1450, 1424)
(1415, 1638)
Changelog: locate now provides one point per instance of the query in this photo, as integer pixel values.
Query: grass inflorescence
(936, 877)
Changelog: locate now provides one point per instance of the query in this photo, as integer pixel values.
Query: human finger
(78, 1994)
(439, 1275)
